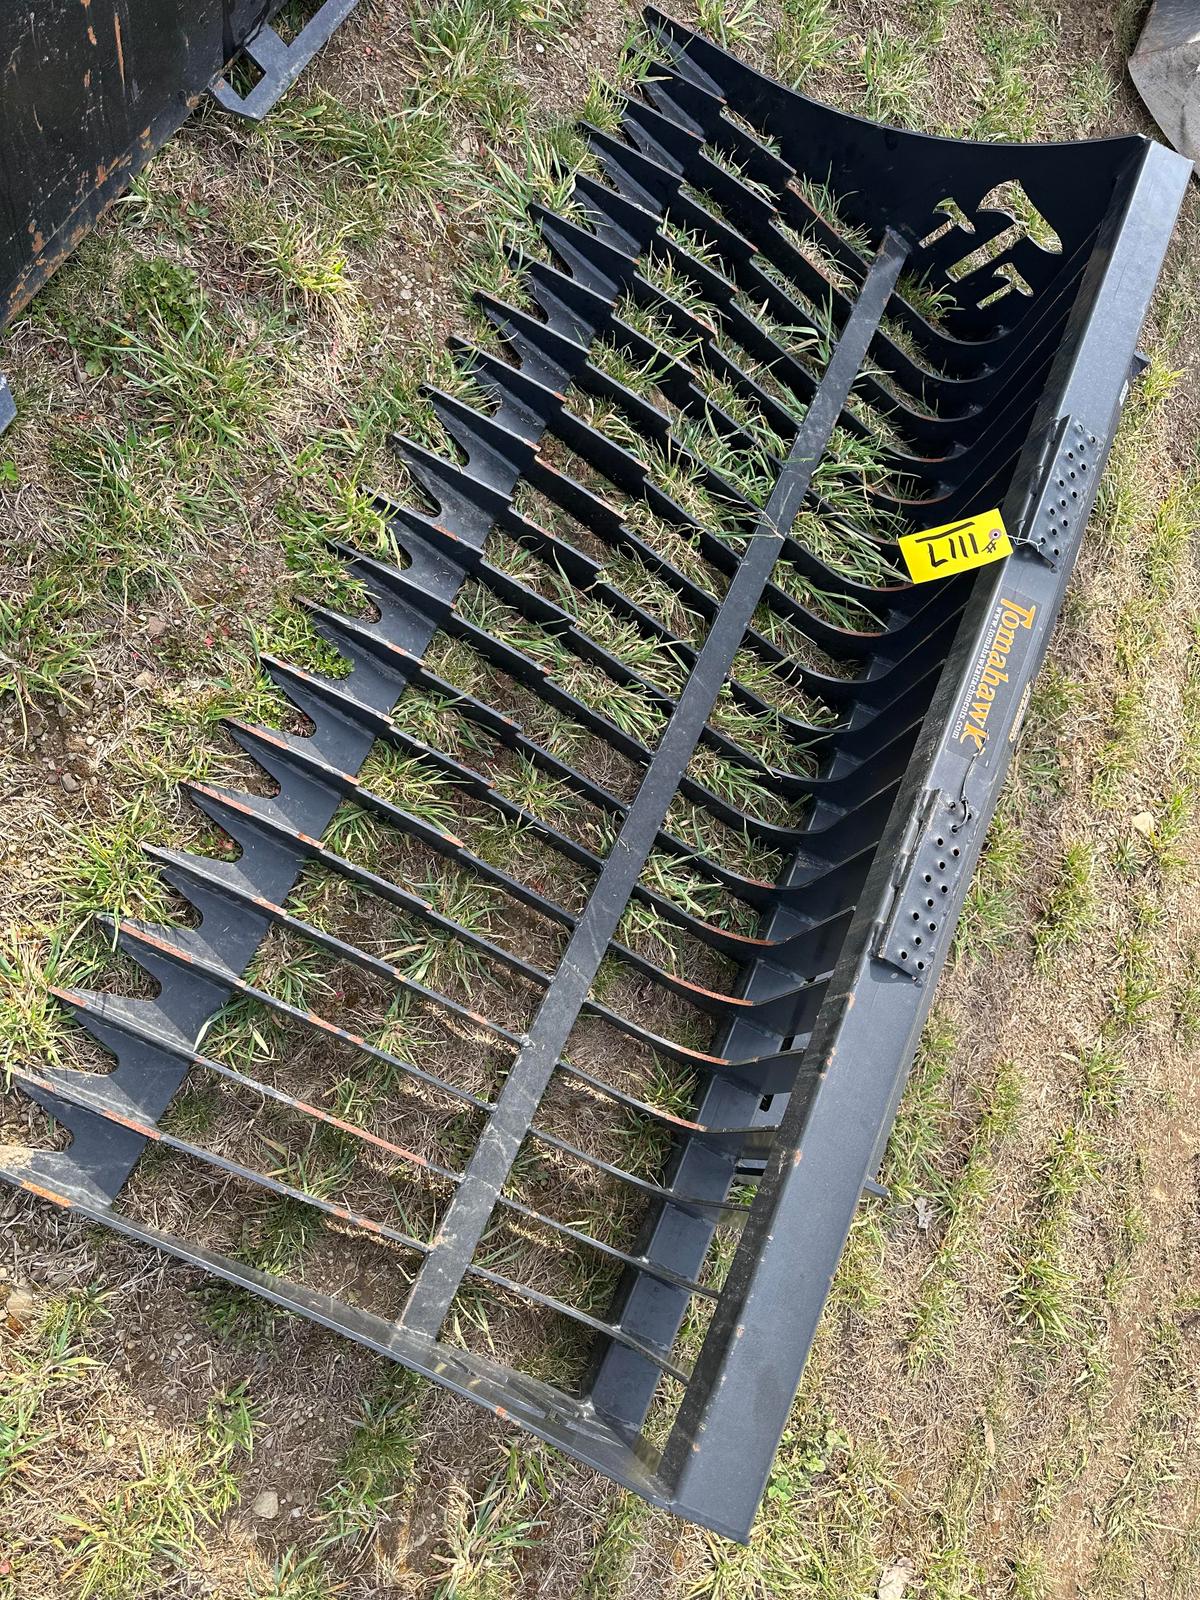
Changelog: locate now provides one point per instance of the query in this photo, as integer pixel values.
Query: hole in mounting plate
(244, 75)
(294, 17)
(1011, 200)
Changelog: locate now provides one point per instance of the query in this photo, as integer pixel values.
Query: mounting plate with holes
(1067, 492)
(925, 887)
(280, 64)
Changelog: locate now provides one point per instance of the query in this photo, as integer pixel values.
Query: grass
(461, 57)
(615, 1550)
(43, 649)
(963, 1198)
(158, 1521)
(732, 22)
(1071, 906)
(32, 1023)
(1011, 52)
(51, 1361)
(487, 1532)
(994, 915)
(1105, 1075)
(309, 265)
(194, 377)
(932, 300)
(1165, 1390)
(207, 385)
(892, 76)
(1043, 1293)
(1187, 1005)
(372, 1470)
(907, 1167)
(397, 155)
(805, 42)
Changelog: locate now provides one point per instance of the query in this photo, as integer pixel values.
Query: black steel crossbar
(613, 868)
(439, 1278)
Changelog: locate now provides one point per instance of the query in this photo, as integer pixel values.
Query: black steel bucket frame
(816, 1037)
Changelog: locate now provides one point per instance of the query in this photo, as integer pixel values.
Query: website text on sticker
(956, 547)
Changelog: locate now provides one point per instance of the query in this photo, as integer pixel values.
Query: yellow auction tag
(959, 546)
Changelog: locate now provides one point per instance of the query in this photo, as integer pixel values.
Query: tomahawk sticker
(990, 692)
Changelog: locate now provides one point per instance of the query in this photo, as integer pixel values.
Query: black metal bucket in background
(778, 266)
(91, 93)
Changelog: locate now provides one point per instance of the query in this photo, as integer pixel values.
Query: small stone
(1144, 823)
(155, 627)
(70, 783)
(266, 1505)
(20, 1307)
(145, 680)
(895, 1579)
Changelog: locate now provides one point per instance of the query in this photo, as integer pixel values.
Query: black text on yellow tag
(957, 547)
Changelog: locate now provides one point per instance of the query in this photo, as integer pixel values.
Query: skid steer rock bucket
(621, 858)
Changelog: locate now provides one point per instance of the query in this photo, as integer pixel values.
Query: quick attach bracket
(1055, 509)
(280, 64)
(926, 878)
